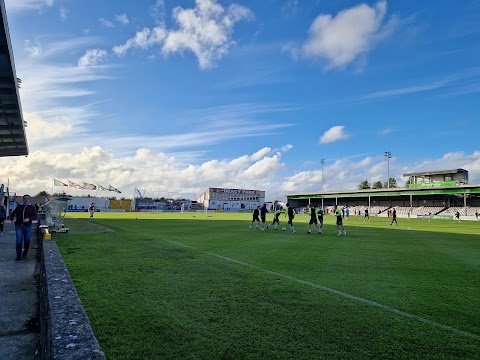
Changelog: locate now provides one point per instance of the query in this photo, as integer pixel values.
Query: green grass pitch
(204, 286)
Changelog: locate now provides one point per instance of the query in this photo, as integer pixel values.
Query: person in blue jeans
(22, 217)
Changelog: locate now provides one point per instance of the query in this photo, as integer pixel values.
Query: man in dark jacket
(23, 215)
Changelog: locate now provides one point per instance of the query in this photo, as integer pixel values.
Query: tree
(377, 185)
(393, 183)
(43, 193)
(59, 194)
(364, 185)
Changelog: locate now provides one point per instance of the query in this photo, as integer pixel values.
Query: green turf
(204, 286)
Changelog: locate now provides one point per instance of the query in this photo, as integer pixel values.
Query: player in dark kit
(394, 217)
(263, 215)
(256, 218)
(320, 219)
(291, 215)
(313, 220)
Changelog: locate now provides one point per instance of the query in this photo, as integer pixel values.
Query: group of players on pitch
(316, 218)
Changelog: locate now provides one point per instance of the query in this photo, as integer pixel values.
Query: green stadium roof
(13, 141)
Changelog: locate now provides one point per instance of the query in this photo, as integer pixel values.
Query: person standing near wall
(22, 217)
(3, 216)
(91, 209)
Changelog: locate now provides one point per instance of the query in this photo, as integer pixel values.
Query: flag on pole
(58, 183)
(139, 194)
(88, 186)
(111, 188)
(75, 185)
(101, 188)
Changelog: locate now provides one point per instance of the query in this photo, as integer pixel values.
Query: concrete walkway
(19, 332)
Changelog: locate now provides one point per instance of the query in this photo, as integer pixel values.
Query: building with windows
(221, 199)
(437, 178)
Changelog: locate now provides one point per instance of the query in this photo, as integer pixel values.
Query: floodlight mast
(388, 155)
(322, 161)
(323, 179)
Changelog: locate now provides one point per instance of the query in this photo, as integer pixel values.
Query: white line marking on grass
(330, 290)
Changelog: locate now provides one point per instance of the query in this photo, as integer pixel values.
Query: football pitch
(204, 286)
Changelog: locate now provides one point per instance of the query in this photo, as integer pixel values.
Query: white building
(231, 199)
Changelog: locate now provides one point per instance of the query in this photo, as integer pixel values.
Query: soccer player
(320, 219)
(338, 214)
(457, 216)
(276, 220)
(366, 215)
(347, 212)
(394, 217)
(313, 220)
(291, 214)
(263, 215)
(256, 218)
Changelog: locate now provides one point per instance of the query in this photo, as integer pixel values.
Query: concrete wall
(65, 331)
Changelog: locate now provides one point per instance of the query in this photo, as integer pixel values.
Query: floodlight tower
(388, 155)
(322, 161)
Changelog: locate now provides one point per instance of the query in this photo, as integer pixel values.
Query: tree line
(378, 184)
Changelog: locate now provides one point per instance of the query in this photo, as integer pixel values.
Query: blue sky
(180, 96)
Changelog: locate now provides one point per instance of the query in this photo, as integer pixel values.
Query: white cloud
(107, 23)
(92, 57)
(63, 12)
(122, 19)
(143, 39)
(333, 134)
(204, 30)
(384, 132)
(27, 5)
(343, 38)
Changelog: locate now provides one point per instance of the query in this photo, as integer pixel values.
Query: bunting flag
(101, 188)
(111, 188)
(58, 183)
(139, 194)
(75, 185)
(88, 186)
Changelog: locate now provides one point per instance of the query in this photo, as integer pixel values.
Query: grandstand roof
(440, 190)
(438, 172)
(13, 140)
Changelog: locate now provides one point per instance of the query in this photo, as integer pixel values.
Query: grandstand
(433, 193)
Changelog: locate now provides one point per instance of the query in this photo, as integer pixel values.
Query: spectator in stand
(22, 217)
